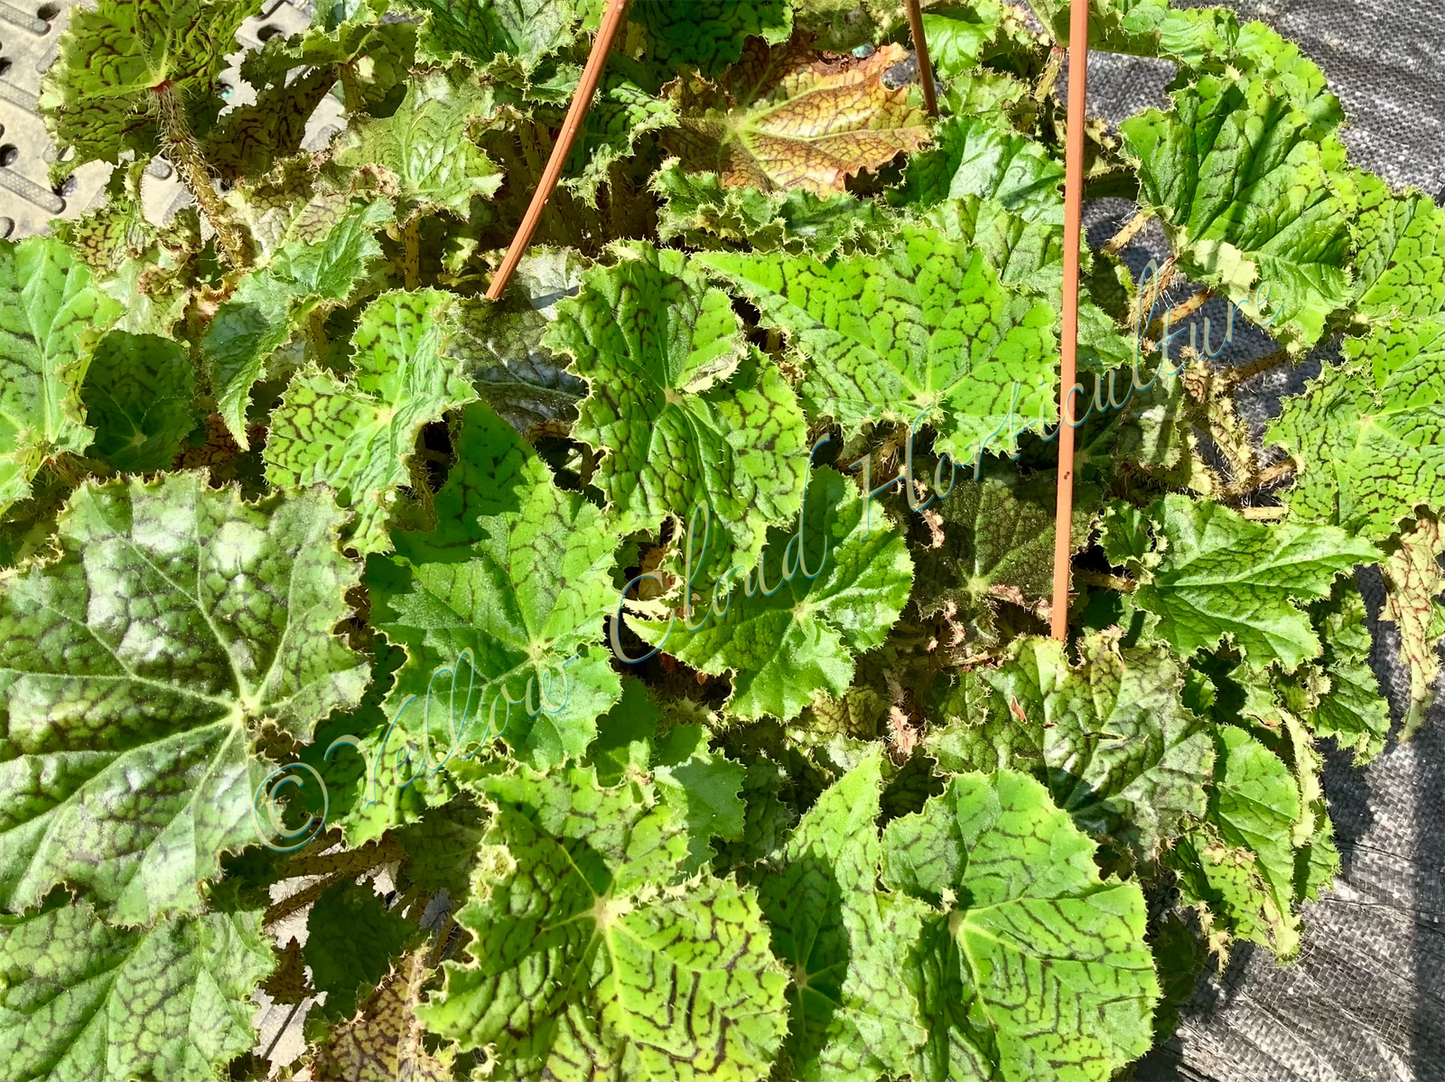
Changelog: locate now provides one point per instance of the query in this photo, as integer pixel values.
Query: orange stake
(1073, 204)
(591, 74)
(920, 49)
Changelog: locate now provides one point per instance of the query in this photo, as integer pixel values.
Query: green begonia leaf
(1351, 708)
(885, 338)
(83, 999)
(846, 941)
(499, 343)
(51, 313)
(424, 146)
(1030, 966)
(844, 24)
(1030, 253)
(1367, 435)
(594, 957)
(372, 57)
(140, 394)
(998, 544)
(1214, 574)
(306, 276)
(519, 574)
(709, 34)
(957, 36)
(1250, 188)
(135, 668)
(356, 434)
(351, 941)
(1399, 261)
(250, 139)
(628, 107)
(481, 31)
(983, 157)
(701, 210)
(1248, 880)
(781, 648)
(684, 418)
(1110, 738)
(1115, 26)
(702, 784)
(98, 96)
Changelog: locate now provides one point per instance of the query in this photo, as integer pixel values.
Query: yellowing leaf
(790, 118)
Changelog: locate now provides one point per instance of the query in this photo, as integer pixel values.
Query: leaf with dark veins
(137, 667)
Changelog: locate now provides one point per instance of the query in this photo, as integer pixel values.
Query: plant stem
(421, 485)
(1184, 308)
(1112, 582)
(181, 148)
(316, 334)
(1267, 476)
(1262, 513)
(1050, 75)
(1233, 377)
(350, 90)
(1115, 244)
(411, 262)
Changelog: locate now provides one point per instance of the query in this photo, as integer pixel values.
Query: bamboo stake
(1073, 205)
(920, 49)
(591, 74)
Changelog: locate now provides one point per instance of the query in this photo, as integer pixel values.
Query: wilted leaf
(1413, 583)
(789, 118)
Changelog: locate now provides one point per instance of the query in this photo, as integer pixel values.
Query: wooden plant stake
(920, 49)
(1069, 336)
(591, 75)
